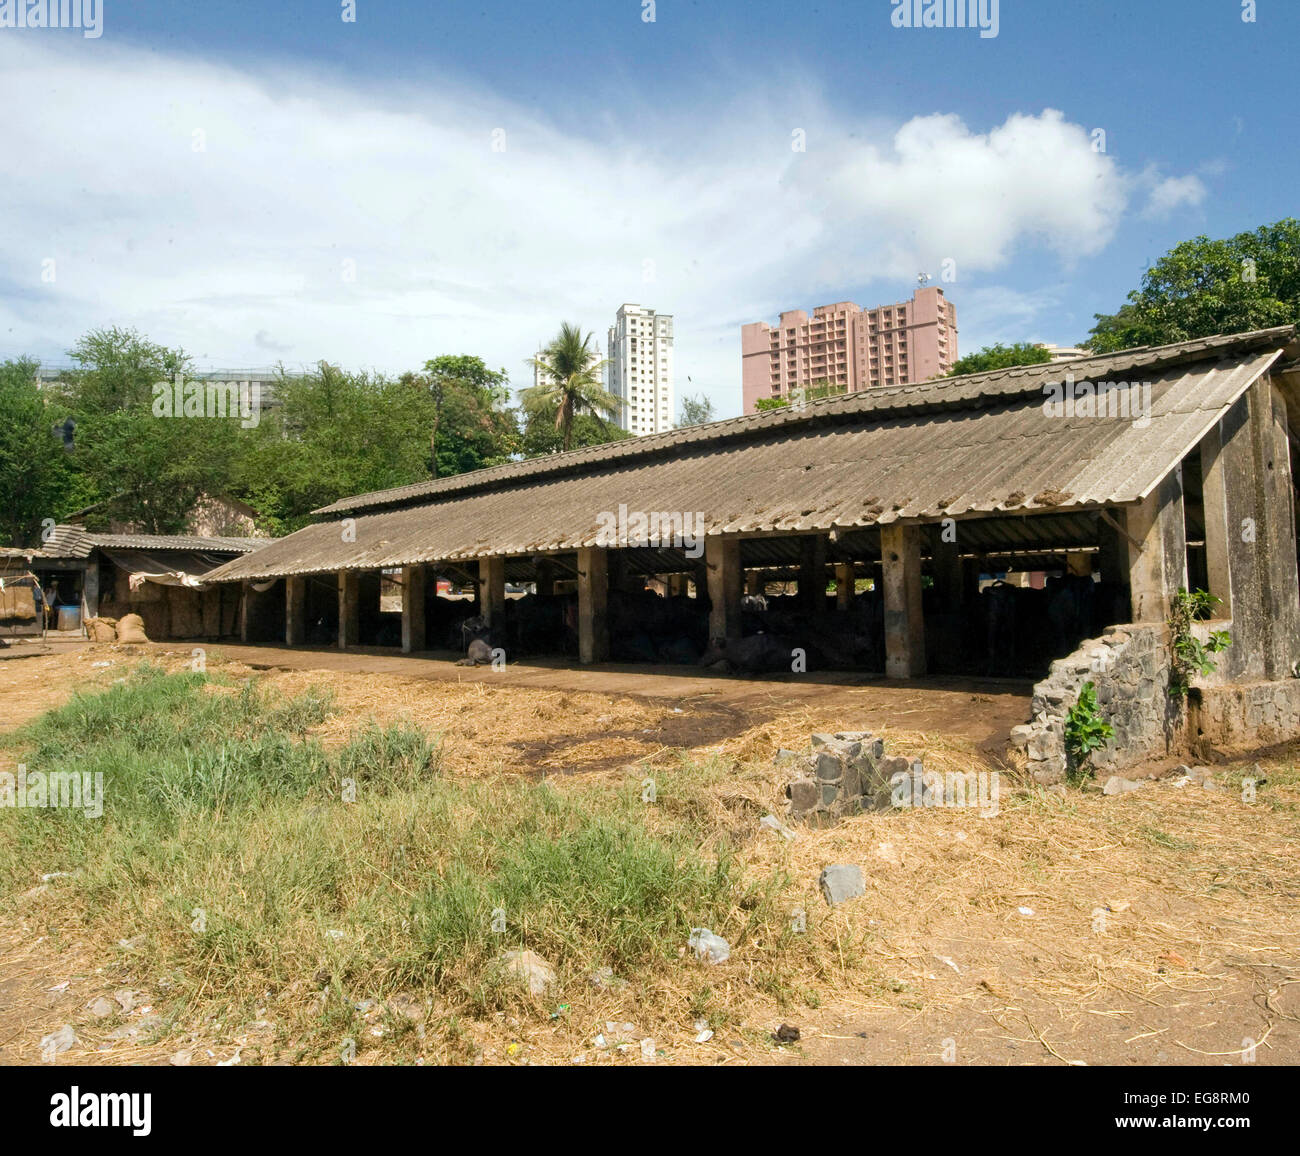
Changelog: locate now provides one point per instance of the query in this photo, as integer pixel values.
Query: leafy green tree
(36, 477)
(799, 394)
(142, 467)
(571, 384)
(1000, 356)
(542, 436)
(473, 425)
(696, 411)
(1203, 287)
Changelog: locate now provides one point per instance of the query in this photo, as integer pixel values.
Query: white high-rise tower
(641, 368)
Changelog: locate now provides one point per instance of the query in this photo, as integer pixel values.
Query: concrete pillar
(722, 560)
(245, 609)
(593, 598)
(845, 585)
(701, 578)
(295, 609)
(1250, 535)
(900, 548)
(414, 580)
(753, 582)
(812, 573)
(349, 608)
(492, 590)
(1157, 550)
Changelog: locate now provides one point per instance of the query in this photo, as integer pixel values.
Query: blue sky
(257, 181)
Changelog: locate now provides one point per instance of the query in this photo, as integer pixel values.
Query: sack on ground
(131, 629)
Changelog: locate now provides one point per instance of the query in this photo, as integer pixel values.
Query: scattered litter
(60, 1041)
(648, 1050)
(101, 664)
(230, 1063)
(708, 947)
(60, 986)
(126, 999)
(949, 962)
(1025, 910)
(102, 1007)
(334, 934)
(703, 1032)
(181, 1059)
(133, 944)
(559, 1011)
(56, 875)
(1118, 905)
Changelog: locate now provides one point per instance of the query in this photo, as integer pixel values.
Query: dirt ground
(1153, 927)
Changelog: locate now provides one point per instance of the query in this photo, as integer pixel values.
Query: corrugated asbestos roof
(965, 447)
(74, 542)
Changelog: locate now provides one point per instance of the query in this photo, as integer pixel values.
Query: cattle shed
(876, 526)
(157, 576)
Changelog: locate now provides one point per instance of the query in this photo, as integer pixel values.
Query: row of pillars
(1250, 550)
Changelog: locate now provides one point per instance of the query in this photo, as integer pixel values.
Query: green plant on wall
(1191, 656)
(1085, 729)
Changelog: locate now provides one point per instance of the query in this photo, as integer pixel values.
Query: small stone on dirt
(531, 969)
(1117, 785)
(841, 882)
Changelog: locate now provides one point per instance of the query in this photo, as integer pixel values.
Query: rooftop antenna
(923, 279)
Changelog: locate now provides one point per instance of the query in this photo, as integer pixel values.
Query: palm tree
(570, 382)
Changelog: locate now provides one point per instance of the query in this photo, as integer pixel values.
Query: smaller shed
(157, 576)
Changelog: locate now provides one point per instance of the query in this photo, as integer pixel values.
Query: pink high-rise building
(848, 346)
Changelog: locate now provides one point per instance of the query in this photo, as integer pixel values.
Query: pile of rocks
(846, 773)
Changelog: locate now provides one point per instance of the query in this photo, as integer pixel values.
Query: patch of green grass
(229, 842)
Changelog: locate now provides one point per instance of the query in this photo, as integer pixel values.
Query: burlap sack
(131, 629)
(102, 629)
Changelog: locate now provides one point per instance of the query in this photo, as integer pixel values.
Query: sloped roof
(962, 447)
(74, 542)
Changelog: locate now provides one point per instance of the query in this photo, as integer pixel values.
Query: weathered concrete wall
(1129, 666)
(1243, 716)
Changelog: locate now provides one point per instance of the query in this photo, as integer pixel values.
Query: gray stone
(1116, 785)
(853, 736)
(822, 740)
(804, 795)
(783, 757)
(1019, 737)
(841, 882)
(828, 767)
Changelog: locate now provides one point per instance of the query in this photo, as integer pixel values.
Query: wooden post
(413, 591)
(812, 573)
(1157, 549)
(295, 609)
(722, 560)
(753, 582)
(900, 548)
(593, 598)
(90, 588)
(492, 590)
(1276, 536)
(349, 608)
(1112, 550)
(845, 586)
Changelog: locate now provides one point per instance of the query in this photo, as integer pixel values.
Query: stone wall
(1243, 716)
(1129, 666)
(846, 773)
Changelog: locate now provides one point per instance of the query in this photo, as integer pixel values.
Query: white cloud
(1170, 193)
(239, 250)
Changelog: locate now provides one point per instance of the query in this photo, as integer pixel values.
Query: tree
(1000, 356)
(571, 383)
(1203, 287)
(541, 435)
(799, 394)
(472, 425)
(36, 478)
(142, 467)
(696, 410)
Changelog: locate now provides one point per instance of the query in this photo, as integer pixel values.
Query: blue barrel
(69, 617)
